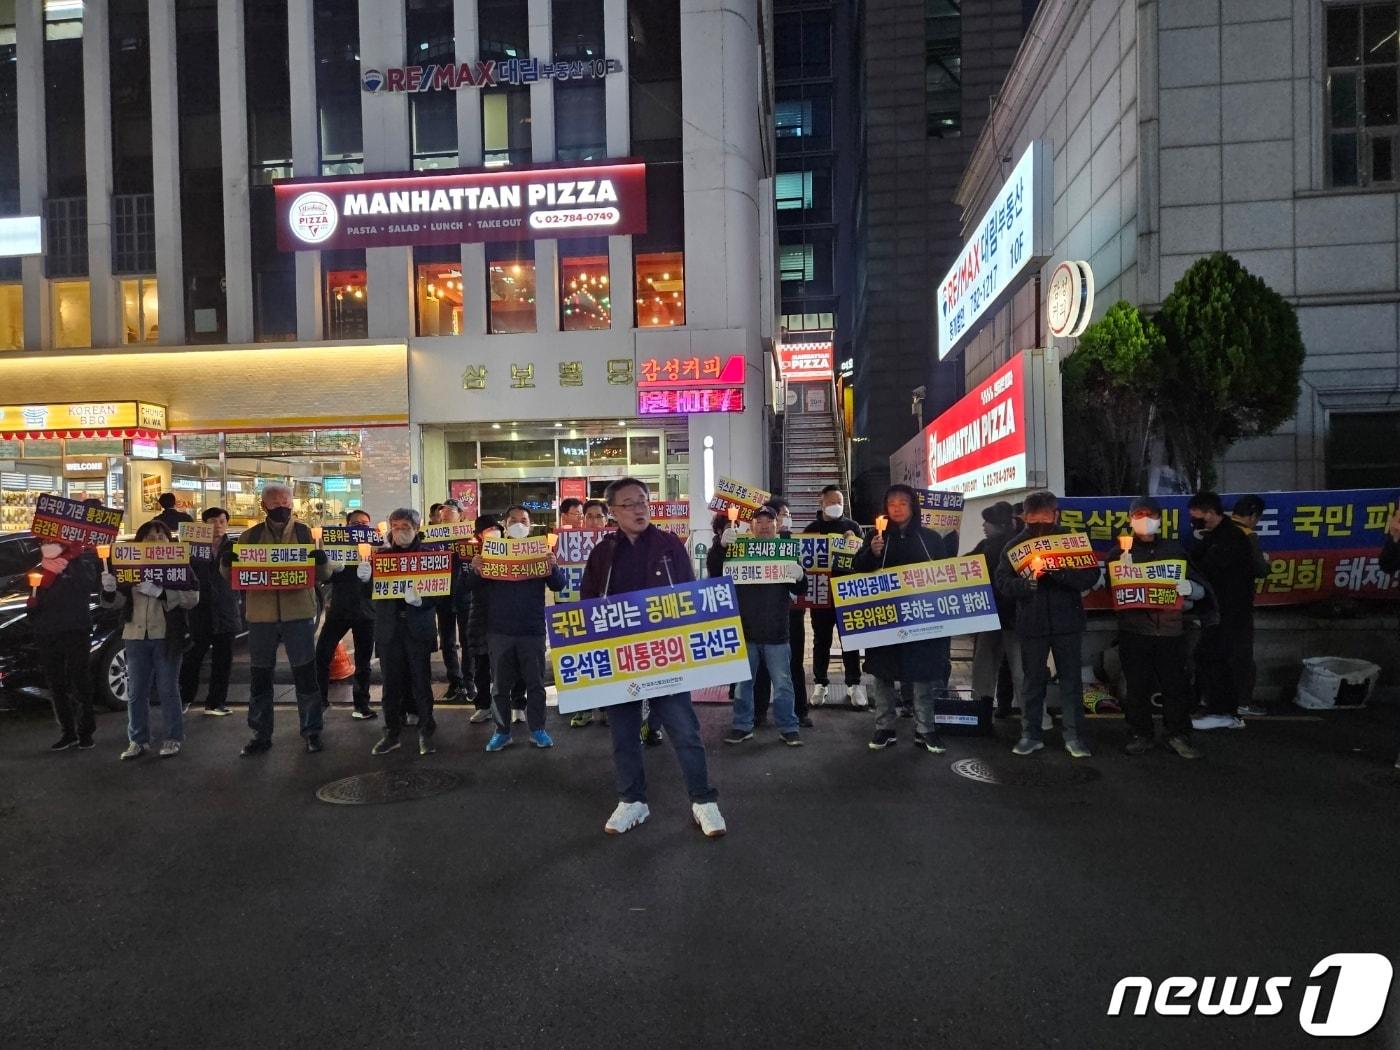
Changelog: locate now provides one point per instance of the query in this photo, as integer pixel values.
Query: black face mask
(1198, 524)
(279, 515)
(1039, 528)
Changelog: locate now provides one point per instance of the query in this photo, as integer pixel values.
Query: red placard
(799, 362)
(72, 521)
(689, 402)
(978, 447)
(573, 488)
(460, 207)
(468, 495)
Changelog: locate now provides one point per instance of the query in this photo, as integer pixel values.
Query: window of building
(802, 119)
(607, 450)
(438, 290)
(519, 452)
(580, 120)
(267, 87)
(510, 280)
(585, 298)
(573, 452)
(432, 114)
(347, 304)
(201, 171)
(140, 310)
(505, 126)
(802, 45)
(129, 55)
(943, 67)
(72, 314)
(63, 100)
(11, 316)
(274, 272)
(819, 321)
(461, 455)
(1363, 95)
(1363, 450)
(660, 289)
(654, 56)
(9, 113)
(795, 263)
(645, 451)
(803, 196)
(805, 262)
(337, 32)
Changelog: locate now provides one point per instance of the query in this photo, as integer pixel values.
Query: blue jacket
(516, 607)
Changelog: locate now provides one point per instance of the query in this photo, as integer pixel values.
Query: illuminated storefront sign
(124, 419)
(484, 73)
(978, 447)
(685, 385)
(799, 362)
(680, 402)
(458, 207)
(1013, 234)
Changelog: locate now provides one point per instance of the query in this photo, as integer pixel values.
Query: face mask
(834, 511)
(518, 531)
(402, 537)
(1147, 526)
(279, 515)
(785, 523)
(50, 551)
(491, 534)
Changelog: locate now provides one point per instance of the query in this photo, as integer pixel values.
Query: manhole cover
(367, 789)
(1026, 774)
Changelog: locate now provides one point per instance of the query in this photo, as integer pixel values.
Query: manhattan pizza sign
(459, 207)
(978, 447)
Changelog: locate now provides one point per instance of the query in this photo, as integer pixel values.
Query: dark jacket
(1169, 623)
(349, 598)
(764, 608)
(392, 615)
(1051, 606)
(1225, 557)
(172, 519)
(992, 548)
(656, 559)
(825, 526)
(66, 603)
(478, 616)
(927, 659)
(218, 611)
(1390, 556)
(516, 606)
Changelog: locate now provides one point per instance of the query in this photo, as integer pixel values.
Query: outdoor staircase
(814, 450)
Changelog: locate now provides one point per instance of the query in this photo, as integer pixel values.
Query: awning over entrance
(82, 419)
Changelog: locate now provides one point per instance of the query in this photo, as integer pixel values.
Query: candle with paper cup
(35, 578)
(1125, 542)
(363, 549)
(1037, 565)
(104, 551)
(733, 513)
(316, 533)
(880, 523)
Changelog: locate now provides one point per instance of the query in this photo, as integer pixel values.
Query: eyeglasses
(641, 504)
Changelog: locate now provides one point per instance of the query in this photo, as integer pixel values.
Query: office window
(337, 32)
(130, 74)
(1363, 104)
(1363, 450)
(802, 45)
(803, 196)
(267, 87)
(654, 57)
(9, 119)
(347, 304)
(580, 120)
(795, 263)
(802, 119)
(805, 262)
(505, 126)
(585, 298)
(510, 280)
(943, 68)
(432, 114)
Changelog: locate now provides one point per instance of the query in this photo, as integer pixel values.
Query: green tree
(1109, 385)
(1231, 365)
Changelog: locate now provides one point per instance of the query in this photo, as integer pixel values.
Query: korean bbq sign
(1012, 234)
(458, 207)
(978, 447)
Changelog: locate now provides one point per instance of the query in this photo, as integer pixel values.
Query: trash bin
(1334, 681)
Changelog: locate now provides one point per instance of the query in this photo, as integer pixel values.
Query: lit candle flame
(316, 534)
(383, 527)
(1125, 542)
(880, 523)
(35, 578)
(363, 549)
(733, 513)
(1038, 564)
(553, 540)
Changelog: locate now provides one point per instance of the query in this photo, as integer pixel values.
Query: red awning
(53, 435)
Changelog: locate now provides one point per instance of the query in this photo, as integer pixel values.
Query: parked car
(19, 660)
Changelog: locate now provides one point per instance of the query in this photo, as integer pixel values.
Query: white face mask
(491, 534)
(518, 531)
(402, 537)
(51, 550)
(785, 523)
(1147, 526)
(834, 511)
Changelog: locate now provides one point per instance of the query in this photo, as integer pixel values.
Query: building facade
(174, 148)
(1264, 128)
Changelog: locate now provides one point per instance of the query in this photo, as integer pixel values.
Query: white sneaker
(858, 697)
(1217, 722)
(484, 715)
(133, 750)
(170, 747)
(708, 819)
(626, 817)
(819, 695)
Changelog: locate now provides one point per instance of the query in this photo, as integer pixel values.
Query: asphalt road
(860, 900)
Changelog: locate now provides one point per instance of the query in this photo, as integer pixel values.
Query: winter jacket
(925, 660)
(349, 598)
(825, 526)
(1390, 556)
(172, 519)
(478, 618)
(764, 608)
(66, 603)
(516, 607)
(619, 565)
(1225, 557)
(1050, 606)
(992, 548)
(163, 618)
(280, 606)
(392, 615)
(218, 611)
(1168, 623)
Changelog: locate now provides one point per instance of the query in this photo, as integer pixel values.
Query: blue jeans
(151, 665)
(677, 717)
(778, 660)
(298, 637)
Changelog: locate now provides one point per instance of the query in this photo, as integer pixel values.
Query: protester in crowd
(595, 514)
(476, 655)
(924, 663)
(832, 521)
(154, 632)
(763, 610)
(434, 513)
(451, 634)
(1224, 555)
(349, 610)
(993, 648)
(405, 632)
(637, 557)
(170, 516)
(1247, 513)
(214, 623)
(797, 643)
(60, 621)
(515, 637)
(1049, 620)
(285, 617)
(1152, 645)
(571, 513)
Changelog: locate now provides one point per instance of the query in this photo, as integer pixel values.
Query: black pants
(823, 624)
(220, 648)
(64, 659)
(763, 685)
(518, 661)
(1225, 663)
(406, 663)
(447, 642)
(1155, 665)
(332, 631)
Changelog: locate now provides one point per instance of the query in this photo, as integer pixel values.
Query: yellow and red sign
(82, 418)
(731, 493)
(504, 559)
(1068, 550)
(430, 573)
(272, 567)
(164, 564)
(1148, 586)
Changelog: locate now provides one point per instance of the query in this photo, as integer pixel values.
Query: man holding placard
(832, 521)
(640, 557)
(277, 564)
(513, 573)
(1152, 584)
(216, 620)
(60, 617)
(349, 609)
